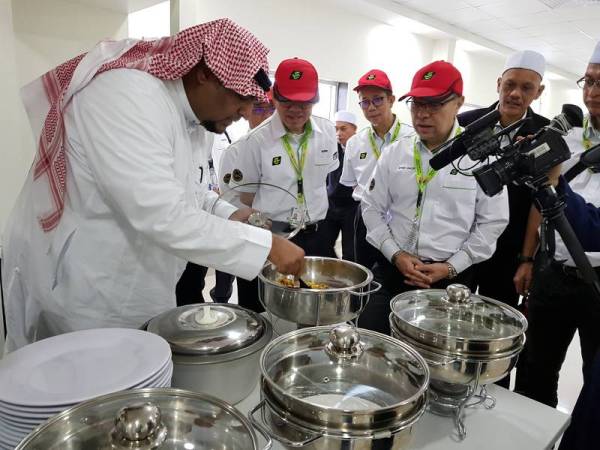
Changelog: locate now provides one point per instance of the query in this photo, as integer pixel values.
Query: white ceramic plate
(74, 367)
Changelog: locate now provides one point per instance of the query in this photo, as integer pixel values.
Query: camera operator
(518, 86)
(429, 226)
(584, 218)
(560, 302)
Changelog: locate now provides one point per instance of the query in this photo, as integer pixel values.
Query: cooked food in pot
(293, 283)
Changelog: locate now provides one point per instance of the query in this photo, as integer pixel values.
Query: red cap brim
(424, 92)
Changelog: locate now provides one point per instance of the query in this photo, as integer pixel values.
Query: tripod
(552, 209)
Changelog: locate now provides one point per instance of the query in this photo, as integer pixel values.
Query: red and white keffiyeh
(231, 52)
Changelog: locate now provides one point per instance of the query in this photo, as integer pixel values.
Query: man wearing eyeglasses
(560, 302)
(291, 151)
(430, 227)
(376, 99)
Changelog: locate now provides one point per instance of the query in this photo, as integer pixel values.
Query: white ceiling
(564, 31)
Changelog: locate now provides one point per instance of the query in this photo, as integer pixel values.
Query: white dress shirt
(262, 158)
(458, 223)
(586, 184)
(134, 214)
(360, 160)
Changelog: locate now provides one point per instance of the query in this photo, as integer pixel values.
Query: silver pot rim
(146, 392)
(383, 431)
(267, 384)
(364, 283)
(457, 356)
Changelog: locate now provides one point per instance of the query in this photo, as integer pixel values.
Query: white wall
(35, 36)
(342, 45)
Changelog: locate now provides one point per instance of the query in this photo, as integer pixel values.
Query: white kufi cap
(526, 59)
(596, 55)
(345, 116)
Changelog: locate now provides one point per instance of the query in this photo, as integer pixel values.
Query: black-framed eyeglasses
(262, 109)
(429, 107)
(587, 82)
(375, 101)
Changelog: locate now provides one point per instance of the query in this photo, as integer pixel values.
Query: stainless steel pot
(463, 369)
(216, 348)
(146, 419)
(461, 336)
(330, 388)
(347, 296)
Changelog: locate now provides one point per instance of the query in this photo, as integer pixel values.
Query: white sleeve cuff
(254, 255)
(224, 209)
(460, 261)
(389, 248)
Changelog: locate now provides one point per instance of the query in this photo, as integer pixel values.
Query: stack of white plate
(52, 375)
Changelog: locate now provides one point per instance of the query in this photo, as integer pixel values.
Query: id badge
(298, 216)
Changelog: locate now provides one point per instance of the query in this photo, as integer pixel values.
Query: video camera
(523, 162)
(527, 162)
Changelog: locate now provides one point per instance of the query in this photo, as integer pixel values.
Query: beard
(210, 125)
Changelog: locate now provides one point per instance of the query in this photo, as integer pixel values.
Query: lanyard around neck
(587, 143)
(423, 180)
(377, 150)
(299, 161)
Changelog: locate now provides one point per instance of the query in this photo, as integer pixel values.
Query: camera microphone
(457, 147)
(571, 116)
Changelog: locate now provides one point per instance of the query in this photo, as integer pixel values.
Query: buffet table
(515, 423)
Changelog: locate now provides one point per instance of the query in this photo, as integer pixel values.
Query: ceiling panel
(565, 35)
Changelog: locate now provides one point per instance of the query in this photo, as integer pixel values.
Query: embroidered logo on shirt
(405, 168)
(372, 185)
(227, 178)
(428, 75)
(295, 75)
(237, 175)
(371, 76)
(363, 155)
(276, 161)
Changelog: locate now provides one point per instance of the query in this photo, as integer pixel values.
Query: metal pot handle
(266, 430)
(369, 292)
(260, 427)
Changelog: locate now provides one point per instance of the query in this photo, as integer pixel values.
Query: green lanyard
(377, 150)
(423, 180)
(298, 162)
(587, 143)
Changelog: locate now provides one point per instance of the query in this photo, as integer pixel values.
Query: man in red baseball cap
(291, 151)
(429, 226)
(364, 149)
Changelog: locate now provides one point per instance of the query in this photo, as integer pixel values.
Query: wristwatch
(525, 259)
(451, 271)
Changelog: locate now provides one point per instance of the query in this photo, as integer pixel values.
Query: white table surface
(516, 423)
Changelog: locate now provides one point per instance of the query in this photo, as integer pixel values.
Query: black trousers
(311, 241)
(584, 431)
(340, 218)
(559, 304)
(366, 255)
(191, 284)
(376, 314)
